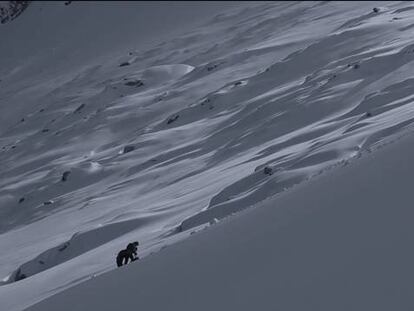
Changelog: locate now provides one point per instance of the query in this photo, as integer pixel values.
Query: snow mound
(163, 73)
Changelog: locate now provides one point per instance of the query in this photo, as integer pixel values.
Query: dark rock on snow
(78, 110)
(268, 170)
(128, 148)
(65, 175)
(136, 83)
(172, 119)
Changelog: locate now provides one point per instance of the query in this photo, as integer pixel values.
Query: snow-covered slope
(340, 242)
(147, 121)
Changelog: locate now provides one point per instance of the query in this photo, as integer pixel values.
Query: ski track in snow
(296, 87)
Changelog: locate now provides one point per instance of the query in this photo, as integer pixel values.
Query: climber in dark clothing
(133, 247)
(130, 253)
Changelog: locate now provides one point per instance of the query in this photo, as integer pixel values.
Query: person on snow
(133, 247)
(130, 253)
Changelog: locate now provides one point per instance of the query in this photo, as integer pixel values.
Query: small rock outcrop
(63, 246)
(206, 101)
(136, 83)
(212, 67)
(172, 119)
(268, 170)
(128, 148)
(19, 275)
(78, 110)
(65, 175)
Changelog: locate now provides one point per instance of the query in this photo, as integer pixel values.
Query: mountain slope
(148, 121)
(340, 242)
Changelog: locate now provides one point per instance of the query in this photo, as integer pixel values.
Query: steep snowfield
(340, 242)
(170, 117)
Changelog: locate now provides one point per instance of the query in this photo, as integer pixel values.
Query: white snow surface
(205, 96)
(340, 242)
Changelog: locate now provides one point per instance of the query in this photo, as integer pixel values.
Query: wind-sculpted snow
(252, 102)
(79, 243)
